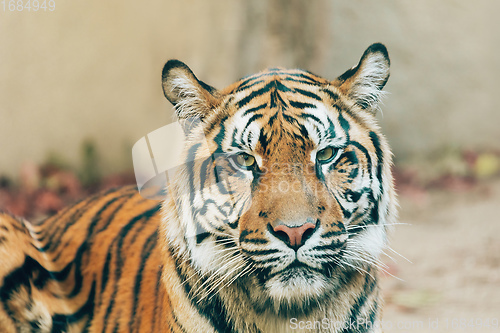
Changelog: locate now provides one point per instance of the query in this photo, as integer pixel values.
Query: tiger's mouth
(303, 269)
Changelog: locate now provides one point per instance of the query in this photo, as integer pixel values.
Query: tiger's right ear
(191, 97)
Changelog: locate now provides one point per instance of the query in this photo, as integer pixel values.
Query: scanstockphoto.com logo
(361, 324)
(429, 324)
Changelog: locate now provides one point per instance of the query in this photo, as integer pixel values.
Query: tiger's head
(286, 185)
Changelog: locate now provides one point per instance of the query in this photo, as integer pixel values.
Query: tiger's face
(286, 186)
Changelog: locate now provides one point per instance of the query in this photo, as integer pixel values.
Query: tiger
(274, 221)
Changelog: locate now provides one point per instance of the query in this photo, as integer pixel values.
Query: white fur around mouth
(296, 283)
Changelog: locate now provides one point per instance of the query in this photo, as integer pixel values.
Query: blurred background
(81, 84)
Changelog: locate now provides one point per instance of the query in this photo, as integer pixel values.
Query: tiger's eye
(245, 160)
(324, 155)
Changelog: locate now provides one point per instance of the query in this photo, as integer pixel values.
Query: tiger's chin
(296, 284)
(297, 291)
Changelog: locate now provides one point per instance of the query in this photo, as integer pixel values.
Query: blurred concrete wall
(91, 69)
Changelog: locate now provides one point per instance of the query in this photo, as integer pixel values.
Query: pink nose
(295, 235)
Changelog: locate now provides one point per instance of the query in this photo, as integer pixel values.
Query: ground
(452, 283)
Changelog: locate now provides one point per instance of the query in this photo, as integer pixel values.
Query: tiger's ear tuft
(191, 97)
(364, 82)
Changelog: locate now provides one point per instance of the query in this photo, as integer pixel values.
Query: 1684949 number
(28, 5)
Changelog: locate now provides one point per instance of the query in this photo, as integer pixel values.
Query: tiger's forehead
(286, 77)
(281, 109)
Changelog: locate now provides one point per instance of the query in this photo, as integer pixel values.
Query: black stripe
(212, 308)
(260, 252)
(344, 124)
(252, 119)
(310, 116)
(263, 140)
(380, 158)
(281, 87)
(219, 137)
(118, 245)
(191, 155)
(255, 241)
(331, 94)
(200, 237)
(95, 220)
(332, 233)
(308, 94)
(147, 248)
(283, 75)
(244, 101)
(274, 99)
(248, 80)
(301, 105)
(76, 265)
(369, 286)
(334, 245)
(55, 239)
(281, 101)
(294, 121)
(306, 77)
(234, 225)
(158, 309)
(307, 82)
(365, 152)
(254, 109)
(85, 310)
(76, 214)
(248, 85)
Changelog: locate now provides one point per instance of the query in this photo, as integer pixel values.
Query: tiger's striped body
(277, 216)
(105, 240)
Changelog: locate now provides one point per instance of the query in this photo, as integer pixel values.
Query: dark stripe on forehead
(281, 87)
(277, 100)
(344, 124)
(239, 143)
(306, 77)
(291, 79)
(331, 130)
(272, 119)
(316, 120)
(255, 109)
(255, 94)
(283, 75)
(308, 94)
(249, 84)
(310, 116)
(250, 121)
(301, 105)
(291, 120)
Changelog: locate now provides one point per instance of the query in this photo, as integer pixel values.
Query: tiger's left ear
(364, 82)
(191, 97)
